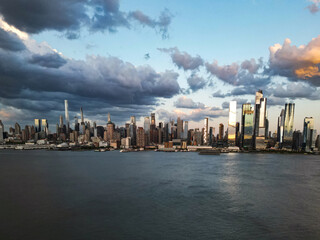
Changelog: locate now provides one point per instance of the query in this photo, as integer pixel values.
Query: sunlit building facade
(206, 130)
(247, 126)
(288, 125)
(232, 123)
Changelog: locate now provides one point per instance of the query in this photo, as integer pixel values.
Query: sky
(175, 58)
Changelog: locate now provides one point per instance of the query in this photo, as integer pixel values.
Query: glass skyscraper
(247, 126)
(288, 125)
(232, 123)
(308, 132)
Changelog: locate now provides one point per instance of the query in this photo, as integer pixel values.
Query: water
(153, 195)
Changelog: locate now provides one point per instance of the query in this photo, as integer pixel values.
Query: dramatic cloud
(35, 16)
(295, 91)
(10, 41)
(183, 60)
(39, 78)
(245, 74)
(314, 7)
(196, 83)
(184, 102)
(296, 63)
(50, 60)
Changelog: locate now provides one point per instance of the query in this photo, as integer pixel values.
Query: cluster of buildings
(252, 133)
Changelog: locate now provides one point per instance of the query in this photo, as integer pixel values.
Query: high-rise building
(37, 125)
(185, 130)
(288, 125)
(1, 131)
(206, 132)
(67, 115)
(232, 123)
(280, 128)
(61, 121)
(247, 126)
(17, 129)
(133, 130)
(82, 118)
(146, 124)
(308, 132)
(179, 128)
(260, 121)
(45, 126)
(140, 137)
(153, 119)
(221, 131)
(110, 129)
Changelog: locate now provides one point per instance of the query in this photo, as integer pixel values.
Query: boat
(209, 152)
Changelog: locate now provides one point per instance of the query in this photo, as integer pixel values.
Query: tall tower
(308, 131)
(288, 125)
(153, 119)
(232, 123)
(37, 125)
(247, 127)
(81, 113)
(205, 134)
(185, 130)
(1, 131)
(260, 121)
(179, 127)
(67, 114)
(61, 121)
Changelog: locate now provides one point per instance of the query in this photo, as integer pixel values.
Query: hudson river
(154, 195)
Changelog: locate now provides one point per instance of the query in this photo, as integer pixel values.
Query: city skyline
(174, 73)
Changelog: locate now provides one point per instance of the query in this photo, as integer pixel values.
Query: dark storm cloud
(183, 60)
(52, 60)
(68, 16)
(40, 83)
(10, 41)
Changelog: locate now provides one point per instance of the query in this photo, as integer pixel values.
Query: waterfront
(156, 195)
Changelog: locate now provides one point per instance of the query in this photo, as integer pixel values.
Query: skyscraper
(185, 130)
(110, 129)
(82, 118)
(37, 125)
(1, 131)
(146, 124)
(308, 132)
(206, 130)
(260, 121)
(153, 119)
(45, 126)
(221, 131)
(288, 125)
(232, 123)
(67, 115)
(247, 126)
(179, 127)
(61, 121)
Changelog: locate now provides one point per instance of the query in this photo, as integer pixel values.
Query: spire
(109, 118)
